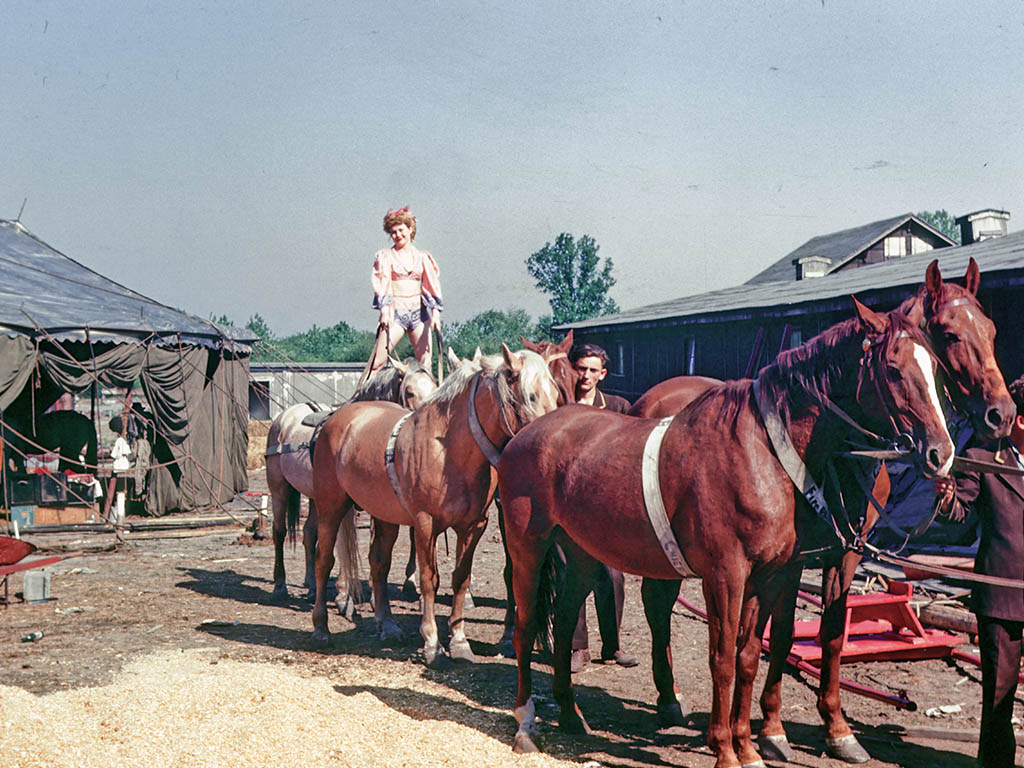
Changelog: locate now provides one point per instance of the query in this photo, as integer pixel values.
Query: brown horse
(964, 338)
(290, 468)
(731, 513)
(440, 478)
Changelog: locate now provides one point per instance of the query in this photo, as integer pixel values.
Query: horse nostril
(994, 417)
(933, 458)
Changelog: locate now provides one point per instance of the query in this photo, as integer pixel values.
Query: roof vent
(982, 225)
(811, 266)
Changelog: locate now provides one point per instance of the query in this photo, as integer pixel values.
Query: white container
(37, 586)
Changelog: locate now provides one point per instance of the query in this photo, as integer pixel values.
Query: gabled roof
(1000, 259)
(42, 292)
(839, 247)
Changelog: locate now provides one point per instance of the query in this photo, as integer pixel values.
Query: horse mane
(492, 367)
(821, 362)
(950, 292)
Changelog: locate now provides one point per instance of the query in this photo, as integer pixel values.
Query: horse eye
(894, 373)
(950, 338)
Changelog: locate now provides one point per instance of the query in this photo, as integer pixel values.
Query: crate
(63, 514)
(23, 514)
(52, 489)
(22, 488)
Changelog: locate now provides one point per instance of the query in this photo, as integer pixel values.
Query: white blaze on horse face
(924, 362)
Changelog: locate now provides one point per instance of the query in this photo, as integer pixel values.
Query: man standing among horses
(998, 501)
(591, 363)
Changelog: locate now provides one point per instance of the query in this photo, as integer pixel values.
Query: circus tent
(66, 328)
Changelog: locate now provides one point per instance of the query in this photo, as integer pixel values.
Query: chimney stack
(982, 225)
(811, 266)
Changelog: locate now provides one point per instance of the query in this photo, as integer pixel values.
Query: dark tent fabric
(64, 328)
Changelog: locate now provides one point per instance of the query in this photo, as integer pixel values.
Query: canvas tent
(64, 328)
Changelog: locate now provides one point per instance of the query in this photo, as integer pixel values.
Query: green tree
(943, 221)
(568, 271)
(488, 330)
(259, 327)
(339, 343)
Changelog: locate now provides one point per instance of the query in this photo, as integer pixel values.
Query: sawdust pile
(193, 708)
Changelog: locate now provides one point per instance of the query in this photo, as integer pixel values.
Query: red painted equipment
(880, 626)
(12, 559)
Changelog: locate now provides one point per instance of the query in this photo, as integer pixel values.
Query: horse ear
(872, 321)
(566, 344)
(453, 359)
(973, 277)
(529, 344)
(477, 354)
(401, 367)
(512, 360)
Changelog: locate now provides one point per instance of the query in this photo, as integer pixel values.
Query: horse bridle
(489, 449)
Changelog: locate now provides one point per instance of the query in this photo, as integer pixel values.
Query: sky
(235, 158)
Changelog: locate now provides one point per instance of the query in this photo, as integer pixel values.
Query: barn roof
(43, 291)
(1001, 261)
(839, 247)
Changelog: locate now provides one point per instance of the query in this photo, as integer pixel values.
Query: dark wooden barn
(731, 333)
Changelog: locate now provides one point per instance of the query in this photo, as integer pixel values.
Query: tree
(488, 330)
(943, 221)
(568, 272)
(259, 327)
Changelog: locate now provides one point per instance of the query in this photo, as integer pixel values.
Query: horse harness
(489, 449)
(389, 458)
(655, 504)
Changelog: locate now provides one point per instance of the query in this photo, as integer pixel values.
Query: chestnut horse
(964, 338)
(440, 478)
(290, 468)
(730, 512)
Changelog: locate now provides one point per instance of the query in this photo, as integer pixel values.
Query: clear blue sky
(234, 158)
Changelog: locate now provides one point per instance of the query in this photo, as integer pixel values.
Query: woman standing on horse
(406, 290)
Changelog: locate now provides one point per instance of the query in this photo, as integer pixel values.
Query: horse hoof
(280, 592)
(311, 596)
(776, 748)
(461, 651)
(321, 638)
(409, 591)
(671, 715)
(435, 658)
(347, 609)
(524, 744)
(469, 605)
(755, 764)
(847, 749)
(389, 630)
(574, 724)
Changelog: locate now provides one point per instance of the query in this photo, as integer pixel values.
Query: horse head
(557, 358)
(417, 385)
(963, 337)
(526, 388)
(896, 388)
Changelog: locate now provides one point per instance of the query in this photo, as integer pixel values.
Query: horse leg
(580, 574)
(309, 533)
(836, 579)
(757, 607)
(426, 560)
(283, 498)
(772, 741)
(329, 518)
(382, 543)
(530, 563)
(659, 596)
(506, 647)
(723, 596)
(409, 589)
(465, 547)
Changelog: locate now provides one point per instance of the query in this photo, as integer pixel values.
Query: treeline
(342, 343)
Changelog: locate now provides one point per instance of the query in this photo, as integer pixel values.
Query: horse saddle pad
(315, 419)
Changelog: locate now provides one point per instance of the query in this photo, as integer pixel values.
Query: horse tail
(346, 553)
(293, 502)
(547, 589)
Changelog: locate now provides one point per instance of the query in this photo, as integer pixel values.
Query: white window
(895, 247)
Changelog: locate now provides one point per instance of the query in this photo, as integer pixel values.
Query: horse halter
(489, 449)
(902, 441)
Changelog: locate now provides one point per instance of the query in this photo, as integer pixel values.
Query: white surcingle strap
(476, 429)
(389, 457)
(655, 504)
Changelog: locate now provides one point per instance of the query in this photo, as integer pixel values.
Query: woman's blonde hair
(400, 216)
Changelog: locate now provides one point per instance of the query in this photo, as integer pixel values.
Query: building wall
(271, 392)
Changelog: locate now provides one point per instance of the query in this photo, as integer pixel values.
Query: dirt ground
(115, 612)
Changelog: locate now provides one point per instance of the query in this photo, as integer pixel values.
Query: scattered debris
(31, 637)
(945, 709)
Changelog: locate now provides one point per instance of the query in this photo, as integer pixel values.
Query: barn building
(731, 333)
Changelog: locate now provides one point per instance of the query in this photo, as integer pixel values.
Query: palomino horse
(436, 476)
(964, 338)
(729, 512)
(290, 468)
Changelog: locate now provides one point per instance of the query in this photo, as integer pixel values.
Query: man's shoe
(621, 658)
(580, 659)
